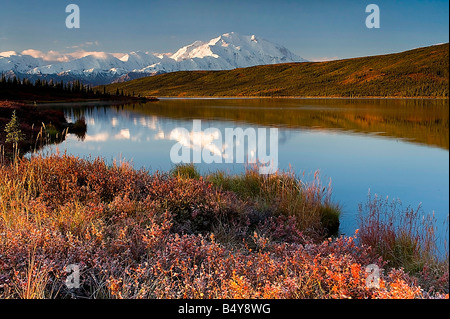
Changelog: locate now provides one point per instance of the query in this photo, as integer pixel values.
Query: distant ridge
(421, 72)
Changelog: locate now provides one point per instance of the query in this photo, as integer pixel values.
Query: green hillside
(420, 72)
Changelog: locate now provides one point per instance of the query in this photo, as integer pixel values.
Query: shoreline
(39, 126)
(158, 98)
(108, 101)
(298, 98)
(89, 102)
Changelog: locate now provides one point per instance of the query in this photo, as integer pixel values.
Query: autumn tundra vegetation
(181, 234)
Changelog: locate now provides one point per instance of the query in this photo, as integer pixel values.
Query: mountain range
(226, 52)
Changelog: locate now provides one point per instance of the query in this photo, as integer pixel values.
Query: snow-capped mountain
(12, 61)
(225, 52)
(234, 50)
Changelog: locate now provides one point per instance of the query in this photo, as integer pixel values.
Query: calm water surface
(395, 148)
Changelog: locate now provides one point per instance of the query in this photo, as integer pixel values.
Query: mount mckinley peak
(226, 52)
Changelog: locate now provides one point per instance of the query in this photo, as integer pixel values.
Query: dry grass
(406, 238)
(284, 194)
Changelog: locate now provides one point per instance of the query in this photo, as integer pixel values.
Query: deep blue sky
(311, 29)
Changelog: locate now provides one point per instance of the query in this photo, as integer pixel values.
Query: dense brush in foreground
(176, 235)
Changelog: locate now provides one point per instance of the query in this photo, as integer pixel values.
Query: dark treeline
(14, 88)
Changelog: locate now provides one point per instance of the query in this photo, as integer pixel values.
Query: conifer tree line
(14, 87)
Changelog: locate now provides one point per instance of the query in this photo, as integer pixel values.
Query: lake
(393, 147)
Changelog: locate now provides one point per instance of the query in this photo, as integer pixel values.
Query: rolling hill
(421, 72)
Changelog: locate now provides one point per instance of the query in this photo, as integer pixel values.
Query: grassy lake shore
(37, 126)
